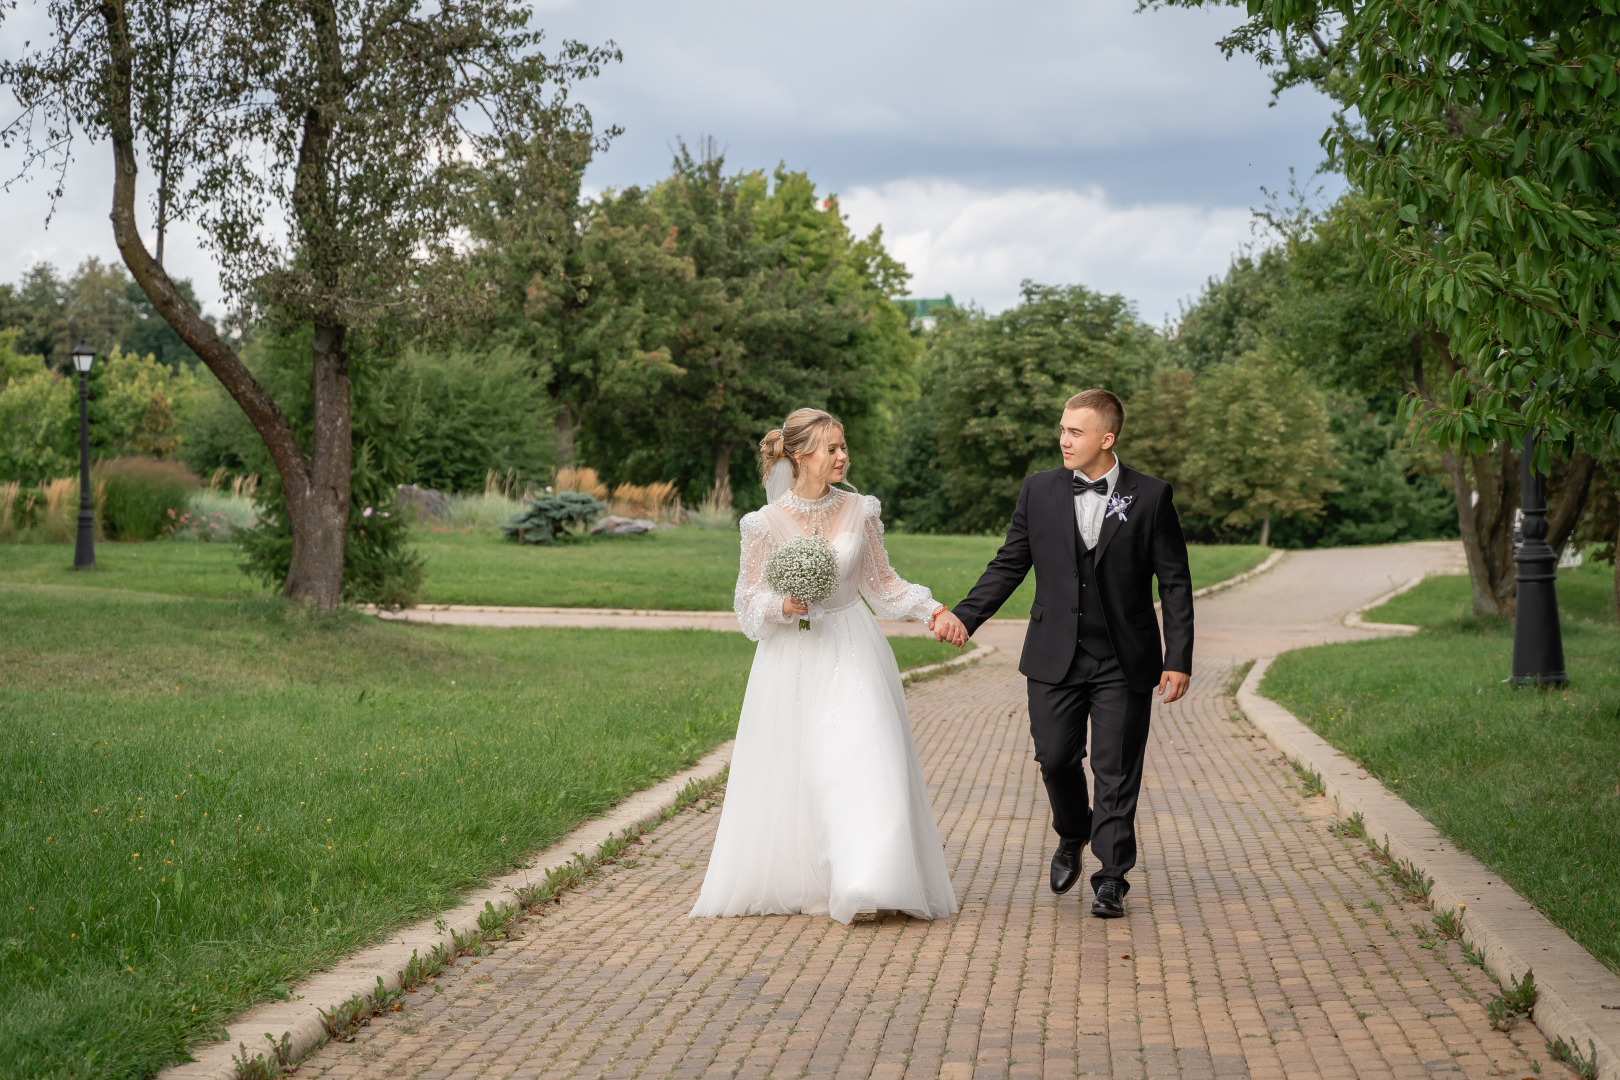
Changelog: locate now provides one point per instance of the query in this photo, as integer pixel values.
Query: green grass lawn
(162, 566)
(680, 569)
(377, 770)
(208, 799)
(1526, 781)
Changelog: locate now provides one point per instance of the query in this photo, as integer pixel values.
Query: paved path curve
(1257, 944)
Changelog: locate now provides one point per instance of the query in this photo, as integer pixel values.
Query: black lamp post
(1538, 644)
(84, 553)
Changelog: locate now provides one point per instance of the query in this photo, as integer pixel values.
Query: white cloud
(979, 243)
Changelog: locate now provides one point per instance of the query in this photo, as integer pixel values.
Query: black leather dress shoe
(1110, 901)
(1065, 867)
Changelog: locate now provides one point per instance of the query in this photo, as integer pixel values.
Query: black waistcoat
(1093, 620)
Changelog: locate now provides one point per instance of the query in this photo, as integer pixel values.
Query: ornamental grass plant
(47, 513)
(145, 497)
(715, 511)
(580, 479)
(210, 516)
(654, 502)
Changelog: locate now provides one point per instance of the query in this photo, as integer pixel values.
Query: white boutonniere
(1117, 505)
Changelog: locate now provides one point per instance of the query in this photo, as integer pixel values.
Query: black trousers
(1119, 732)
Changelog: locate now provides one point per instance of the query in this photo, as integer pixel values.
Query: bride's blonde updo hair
(800, 433)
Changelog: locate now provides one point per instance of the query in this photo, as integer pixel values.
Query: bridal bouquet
(804, 568)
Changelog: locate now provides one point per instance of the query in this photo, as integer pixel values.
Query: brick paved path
(1257, 944)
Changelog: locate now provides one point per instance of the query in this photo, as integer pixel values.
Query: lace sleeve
(891, 596)
(758, 608)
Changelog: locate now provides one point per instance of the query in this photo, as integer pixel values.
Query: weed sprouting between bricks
(1235, 680)
(260, 1067)
(1516, 1000)
(1582, 1065)
(1310, 781)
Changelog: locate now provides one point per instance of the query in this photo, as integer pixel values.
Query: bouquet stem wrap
(806, 569)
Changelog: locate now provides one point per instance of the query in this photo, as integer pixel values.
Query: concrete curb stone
(1220, 586)
(911, 675)
(1579, 998)
(1356, 622)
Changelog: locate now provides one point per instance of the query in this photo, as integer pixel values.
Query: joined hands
(947, 627)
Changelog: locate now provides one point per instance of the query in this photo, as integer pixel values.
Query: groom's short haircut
(1105, 404)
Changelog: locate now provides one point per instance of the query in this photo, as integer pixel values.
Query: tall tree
(1489, 160)
(760, 300)
(586, 288)
(1260, 446)
(318, 157)
(36, 307)
(1308, 300)
(993, 389)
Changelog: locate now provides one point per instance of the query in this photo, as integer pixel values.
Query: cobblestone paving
(1257, 944)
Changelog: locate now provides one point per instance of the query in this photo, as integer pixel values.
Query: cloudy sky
(1061, 142)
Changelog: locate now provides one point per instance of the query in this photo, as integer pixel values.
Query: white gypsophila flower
(803, 568)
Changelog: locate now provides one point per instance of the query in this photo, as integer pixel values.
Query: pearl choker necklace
(814, 514)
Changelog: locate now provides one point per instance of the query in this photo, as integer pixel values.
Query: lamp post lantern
(84, 552)
(1538, 644)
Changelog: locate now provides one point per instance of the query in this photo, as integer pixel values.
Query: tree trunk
(316, 575)
(1486, 523)
(1486, 489)
(722, 467)
(1565, 512)
(1265, 531)
(320, 523)
(566, 429)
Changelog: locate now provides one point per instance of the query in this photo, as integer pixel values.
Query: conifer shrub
(546, 517)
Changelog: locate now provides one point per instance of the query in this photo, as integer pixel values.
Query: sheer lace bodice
(852, 525)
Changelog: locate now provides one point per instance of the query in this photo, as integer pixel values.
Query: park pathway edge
(299, 1018)
(1579, 998)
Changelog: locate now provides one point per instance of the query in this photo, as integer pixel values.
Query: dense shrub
(470, 414)
(477, 413)
(39, 417)
(144, 497)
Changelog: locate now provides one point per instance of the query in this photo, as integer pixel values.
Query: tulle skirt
(825, 810)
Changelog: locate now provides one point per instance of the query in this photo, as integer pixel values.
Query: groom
(1096, 533)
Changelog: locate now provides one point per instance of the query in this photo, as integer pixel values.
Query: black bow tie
(1099, 486)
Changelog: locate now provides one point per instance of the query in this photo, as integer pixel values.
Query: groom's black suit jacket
(1128, 555)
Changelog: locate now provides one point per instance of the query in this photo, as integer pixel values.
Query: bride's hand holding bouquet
(807, 571)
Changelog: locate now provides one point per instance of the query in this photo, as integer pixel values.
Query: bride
(825, 810)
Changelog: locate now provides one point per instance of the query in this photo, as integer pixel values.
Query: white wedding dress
(825, 810)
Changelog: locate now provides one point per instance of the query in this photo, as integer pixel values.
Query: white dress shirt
(1089, 507)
